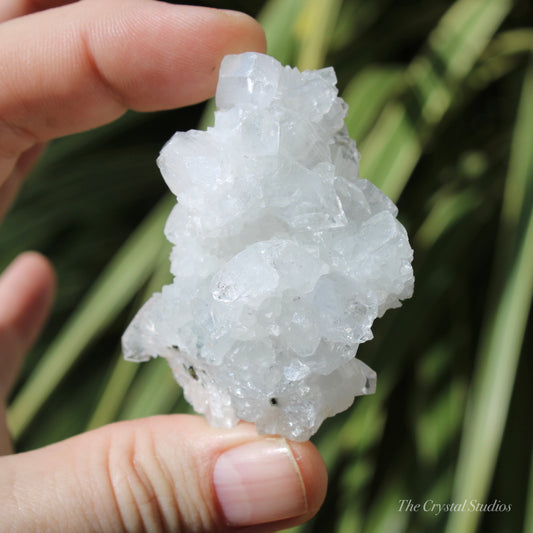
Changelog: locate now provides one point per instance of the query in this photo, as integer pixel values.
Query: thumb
(166, 473)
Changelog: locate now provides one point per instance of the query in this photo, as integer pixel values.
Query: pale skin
(67, 67)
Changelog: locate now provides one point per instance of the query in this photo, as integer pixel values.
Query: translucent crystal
(282, 259)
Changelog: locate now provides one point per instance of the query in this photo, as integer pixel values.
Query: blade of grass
(366, 95)
(489, 400)
(511, 42)
(394, 146)
(505, 324)
(124, 372)
(439, 422)
(315, 28)
(501, 56)
(278, 19)
(447, 210)
(113, 290)
(111, 399)
(385, 514)
(154, 392)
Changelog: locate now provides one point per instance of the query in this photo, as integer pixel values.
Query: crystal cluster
(282, 258)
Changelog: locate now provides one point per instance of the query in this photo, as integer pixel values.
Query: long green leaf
(278, 18)
(366, 94)
(154, 392)
(315, 29)
(124, 372)
(501, 56)
(501, 341)
(394, 147)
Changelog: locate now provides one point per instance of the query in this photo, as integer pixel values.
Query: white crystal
(282, 259)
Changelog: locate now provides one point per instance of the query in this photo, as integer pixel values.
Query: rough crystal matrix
(282, 259)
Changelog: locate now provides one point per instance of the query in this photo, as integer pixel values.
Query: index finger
(82, 65)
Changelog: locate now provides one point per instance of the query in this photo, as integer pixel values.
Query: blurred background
(441, 106)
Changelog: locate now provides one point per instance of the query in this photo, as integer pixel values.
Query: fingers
(81, 65)
(26, 293)
(172, 473)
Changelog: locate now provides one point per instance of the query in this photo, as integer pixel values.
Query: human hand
(65, 70)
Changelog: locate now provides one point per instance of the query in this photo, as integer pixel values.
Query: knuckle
(156, 487)
(98, 73)
(142, 492)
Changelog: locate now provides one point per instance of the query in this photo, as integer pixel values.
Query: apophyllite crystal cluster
(282, 258)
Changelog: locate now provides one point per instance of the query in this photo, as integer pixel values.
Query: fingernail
(259, 482)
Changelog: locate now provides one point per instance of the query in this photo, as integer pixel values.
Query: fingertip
(256, 38)
(211, 33)
(268, 484)
(231, 32)
(28, 288)
(40, 268)
(26, 293)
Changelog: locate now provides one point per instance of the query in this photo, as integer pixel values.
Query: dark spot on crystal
(273, 401)
(175, 347)
(193, 373)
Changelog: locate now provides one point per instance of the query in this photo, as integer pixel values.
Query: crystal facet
(282, 259)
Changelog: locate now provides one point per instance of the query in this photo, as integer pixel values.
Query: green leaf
(124, 372)
(505, 324)
(278, 19)
(154, 392)
(366, 94)
(315, 29)
(395, 145)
